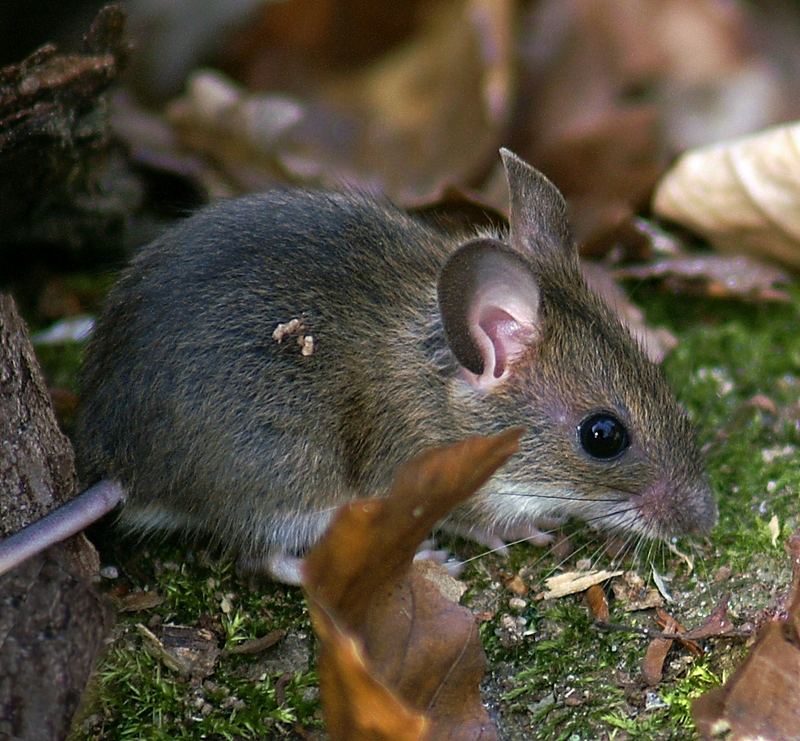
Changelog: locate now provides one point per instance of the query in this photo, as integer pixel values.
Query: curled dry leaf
(658, 648)
(717, 624)
(716, 276)
(257, 645)
(397, 656)
(653, 664)
(669, 624)
(742, 195)
(598, 603)
(357, 704)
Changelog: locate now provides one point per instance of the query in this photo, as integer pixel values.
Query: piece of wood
(52, 619)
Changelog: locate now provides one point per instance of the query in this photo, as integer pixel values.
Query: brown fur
(212, 425)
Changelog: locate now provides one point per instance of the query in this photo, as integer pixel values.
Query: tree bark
(52, 619)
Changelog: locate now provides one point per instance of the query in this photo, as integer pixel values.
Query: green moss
(136, 696)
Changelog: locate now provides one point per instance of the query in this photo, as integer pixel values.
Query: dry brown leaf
(717, 624)
(653, 664)
(517, 585)
(598, 603)
(715, 276)
(762, 698)
(658, 648)
(742, 195)
(427, 113)
(431, 112)
(356, 702)
(669, 624)
(257, 645)
(600, 148)
(138, 600)
(394, 650)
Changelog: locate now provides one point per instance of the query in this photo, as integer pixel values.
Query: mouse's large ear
(489, 303)
(538, 211)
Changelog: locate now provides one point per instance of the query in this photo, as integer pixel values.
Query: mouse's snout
(701, 511)
(679, 510)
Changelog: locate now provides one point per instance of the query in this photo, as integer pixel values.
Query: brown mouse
(276, 355)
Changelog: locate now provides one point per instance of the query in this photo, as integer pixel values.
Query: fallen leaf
(669, 624)
(396, 656)
(661, 585)
(573, 582)
(793, 549)
(257, 645)
(762, 697)
(448, 586)
(426, 114)
(432, 111)
(598, 603)
(356, 703)
(741, 195)
(715, 276)
(517, 585)
(599, 146)
(658, 648)
(717, 623)
(653, 664)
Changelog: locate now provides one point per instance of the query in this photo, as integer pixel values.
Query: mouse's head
(607, 440)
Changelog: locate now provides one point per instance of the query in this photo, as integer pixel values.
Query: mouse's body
(213, 421)
(407, 338)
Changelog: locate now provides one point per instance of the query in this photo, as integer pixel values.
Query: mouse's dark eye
(603, 436)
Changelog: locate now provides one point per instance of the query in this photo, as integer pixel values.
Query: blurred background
(112, 133)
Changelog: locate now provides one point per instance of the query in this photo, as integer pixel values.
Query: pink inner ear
(505, 333)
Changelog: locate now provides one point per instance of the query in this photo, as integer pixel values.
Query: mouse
(276, 355)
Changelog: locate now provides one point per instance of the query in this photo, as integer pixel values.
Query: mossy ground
(565, 679)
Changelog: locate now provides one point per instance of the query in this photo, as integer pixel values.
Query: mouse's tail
(60, 524)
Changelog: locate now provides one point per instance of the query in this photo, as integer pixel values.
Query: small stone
(517, 603)
(109, 572)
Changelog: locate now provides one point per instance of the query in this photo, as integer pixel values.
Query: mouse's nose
(679, 509)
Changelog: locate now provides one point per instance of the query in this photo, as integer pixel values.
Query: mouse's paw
(428, 552)
(527, 533)
(496, 539)
(483, 536)
(279, 566)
